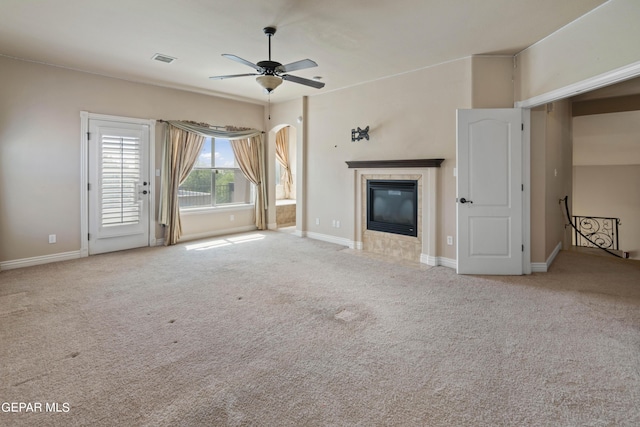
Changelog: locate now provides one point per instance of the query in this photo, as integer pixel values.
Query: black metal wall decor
(358, 134)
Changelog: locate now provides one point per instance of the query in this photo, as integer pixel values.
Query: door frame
(607, 78)
(85, 116)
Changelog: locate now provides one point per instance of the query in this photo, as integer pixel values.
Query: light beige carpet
(268, 329)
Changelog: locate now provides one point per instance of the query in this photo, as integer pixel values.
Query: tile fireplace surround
(418, 249)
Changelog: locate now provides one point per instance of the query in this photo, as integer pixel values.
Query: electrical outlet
(232, 217)
(317, 221)
(449, 240)
(52, 238)
(333, 223)
(338, 224)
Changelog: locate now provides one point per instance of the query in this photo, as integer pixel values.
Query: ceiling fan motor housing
(270, 67)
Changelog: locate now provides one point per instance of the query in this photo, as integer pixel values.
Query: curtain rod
(211, 126)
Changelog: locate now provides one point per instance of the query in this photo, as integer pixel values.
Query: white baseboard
(543, 267)
(289, 224)
(448, 262)
(197, 236)
(38, 260)
(436, 261)
(331, 239)
(66, 256)
(429, 260)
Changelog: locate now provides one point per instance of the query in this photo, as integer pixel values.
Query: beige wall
(601, 41)
(607, 139)
(410, 116)
(492, 81)
(551, 178)
(611, 191)
(40, 148)
(538, 184)
(558, 174)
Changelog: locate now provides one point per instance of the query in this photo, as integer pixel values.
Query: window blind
(120, 176)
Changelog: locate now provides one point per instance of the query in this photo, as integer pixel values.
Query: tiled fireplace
(418, 248)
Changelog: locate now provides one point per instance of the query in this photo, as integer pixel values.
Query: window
(278, 172)
(216, 179)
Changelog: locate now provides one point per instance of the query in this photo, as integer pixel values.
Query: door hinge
(88, 236)
(88, 136)
(522, 248)
(88, 186)
(522, 126)
(522, 187)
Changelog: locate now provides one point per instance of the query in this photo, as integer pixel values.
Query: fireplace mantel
(410, 163)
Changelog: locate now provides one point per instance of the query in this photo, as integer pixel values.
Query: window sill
(211, 210)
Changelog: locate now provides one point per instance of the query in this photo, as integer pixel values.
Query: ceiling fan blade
(298, 65)
(302, 81)
(242, 61)
(233, 75)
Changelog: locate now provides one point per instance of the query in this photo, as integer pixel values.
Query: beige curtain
(282, 155)
(250, 157)
(180, 152)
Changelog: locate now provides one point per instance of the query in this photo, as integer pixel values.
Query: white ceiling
(353, 41)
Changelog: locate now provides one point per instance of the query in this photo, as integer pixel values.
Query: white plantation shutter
(120, 171)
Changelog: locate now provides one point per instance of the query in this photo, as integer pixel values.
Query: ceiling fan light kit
(271, 73)
(269, 83)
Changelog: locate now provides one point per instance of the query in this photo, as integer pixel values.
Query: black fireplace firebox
(392, 206)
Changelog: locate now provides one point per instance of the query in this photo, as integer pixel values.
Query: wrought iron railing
(588, 228)
(193, 197)
(594, 231)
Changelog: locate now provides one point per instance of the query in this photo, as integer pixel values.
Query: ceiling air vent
(163, 58)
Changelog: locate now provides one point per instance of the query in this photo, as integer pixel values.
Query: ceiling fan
(271, 73)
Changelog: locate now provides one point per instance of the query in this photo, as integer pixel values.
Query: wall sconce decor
(357, 135)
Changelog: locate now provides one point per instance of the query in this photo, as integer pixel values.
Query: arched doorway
(283, 192)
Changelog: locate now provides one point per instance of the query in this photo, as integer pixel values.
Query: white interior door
(490, 191)
(119, 186)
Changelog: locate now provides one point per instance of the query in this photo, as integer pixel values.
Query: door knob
(463, 200)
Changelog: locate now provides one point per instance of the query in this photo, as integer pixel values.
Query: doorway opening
(285, 168)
